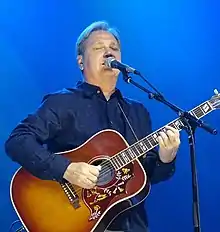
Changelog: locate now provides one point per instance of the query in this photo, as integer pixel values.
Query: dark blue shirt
(68, 118)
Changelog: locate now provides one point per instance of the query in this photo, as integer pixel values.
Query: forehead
(101, 36)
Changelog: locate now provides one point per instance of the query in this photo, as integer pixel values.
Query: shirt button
(98, 91)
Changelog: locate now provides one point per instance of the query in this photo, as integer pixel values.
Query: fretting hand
(169, 143)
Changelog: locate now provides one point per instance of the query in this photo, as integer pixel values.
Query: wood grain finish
(43, 206)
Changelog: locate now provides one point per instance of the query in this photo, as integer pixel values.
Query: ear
(80, 61)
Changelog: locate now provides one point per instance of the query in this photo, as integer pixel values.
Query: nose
(108, 54)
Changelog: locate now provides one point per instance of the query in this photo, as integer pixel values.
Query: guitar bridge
(71, 194)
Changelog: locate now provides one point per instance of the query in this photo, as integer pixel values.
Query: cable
(20, 229)
(13, 223)
(17, 230)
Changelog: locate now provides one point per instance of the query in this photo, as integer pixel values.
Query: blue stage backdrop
(175, 44)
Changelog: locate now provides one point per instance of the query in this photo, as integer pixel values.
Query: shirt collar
(89, 90)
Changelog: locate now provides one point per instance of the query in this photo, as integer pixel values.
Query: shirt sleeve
(25, 144)
(156, 170)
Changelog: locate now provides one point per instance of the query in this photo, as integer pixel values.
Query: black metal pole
(195, 191)
(190, 125)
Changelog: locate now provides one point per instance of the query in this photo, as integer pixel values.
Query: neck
(108, 94)
(108, 88)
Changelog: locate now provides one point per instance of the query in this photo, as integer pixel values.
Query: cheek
(118, 56)
(91, 61)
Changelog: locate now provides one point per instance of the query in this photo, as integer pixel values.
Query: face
(98, 47)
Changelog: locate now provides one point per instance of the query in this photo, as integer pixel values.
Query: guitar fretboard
(149, 142)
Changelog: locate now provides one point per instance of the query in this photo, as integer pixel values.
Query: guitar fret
(120, 158)
(193, 114)
(138, 147)
(143, 146)
(147, 143)
(115, 162)
(125, 157)
(178, 123)
(202, 110)
(135, 151)
(154, 136)
(128, 154)
(172, 124)
(163, 129)
(206, 108)
(153, 141)
(198, 112)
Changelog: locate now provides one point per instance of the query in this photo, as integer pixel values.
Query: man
(66, 119)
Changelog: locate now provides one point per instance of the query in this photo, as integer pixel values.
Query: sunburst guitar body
(49, 206)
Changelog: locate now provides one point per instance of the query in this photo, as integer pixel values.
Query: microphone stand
(190, 125)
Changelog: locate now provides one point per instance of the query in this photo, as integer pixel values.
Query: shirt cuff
(58, 167)
(167, 167)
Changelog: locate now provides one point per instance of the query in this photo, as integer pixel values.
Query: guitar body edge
(34, 200)
(12, 200)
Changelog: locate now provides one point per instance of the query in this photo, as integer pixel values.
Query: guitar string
(106, 164)
(130, 147)
(104, 171)
(148, 138)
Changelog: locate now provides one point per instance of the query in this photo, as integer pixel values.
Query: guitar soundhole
(107, 172)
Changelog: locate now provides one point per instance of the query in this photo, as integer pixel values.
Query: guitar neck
(150, 141)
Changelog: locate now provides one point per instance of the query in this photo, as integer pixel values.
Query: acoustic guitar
(49, 206)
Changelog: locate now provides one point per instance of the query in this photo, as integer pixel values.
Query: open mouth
(106, 57)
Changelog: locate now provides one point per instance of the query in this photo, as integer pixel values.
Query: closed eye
(97, 48)
(115, 48)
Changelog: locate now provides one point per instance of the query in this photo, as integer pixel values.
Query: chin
(110, 72)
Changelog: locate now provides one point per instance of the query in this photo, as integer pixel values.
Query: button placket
(108, 114)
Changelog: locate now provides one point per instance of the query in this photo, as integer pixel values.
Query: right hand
(82, 174)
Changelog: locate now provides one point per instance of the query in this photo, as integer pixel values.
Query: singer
(67, 118)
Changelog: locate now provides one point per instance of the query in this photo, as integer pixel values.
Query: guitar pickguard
(99, 198)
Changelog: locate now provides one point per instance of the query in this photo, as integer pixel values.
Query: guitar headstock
(215, 100)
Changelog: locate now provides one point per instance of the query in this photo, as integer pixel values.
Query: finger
(174, 138)
(92, 178)
(88, 182)
(85, 183)
(171, 136)
(175, 131)
(94, 170)
(160, 141)
(165, 139)
(87, 186)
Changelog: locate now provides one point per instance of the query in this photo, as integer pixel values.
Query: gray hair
(95, 26)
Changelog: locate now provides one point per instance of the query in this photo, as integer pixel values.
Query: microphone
(111, 62)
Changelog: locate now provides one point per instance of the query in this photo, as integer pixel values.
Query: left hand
(169, 142)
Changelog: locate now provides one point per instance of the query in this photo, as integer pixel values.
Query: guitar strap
(129, 124)
(144, 218)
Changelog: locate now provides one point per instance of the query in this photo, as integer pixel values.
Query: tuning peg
(216, 92)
